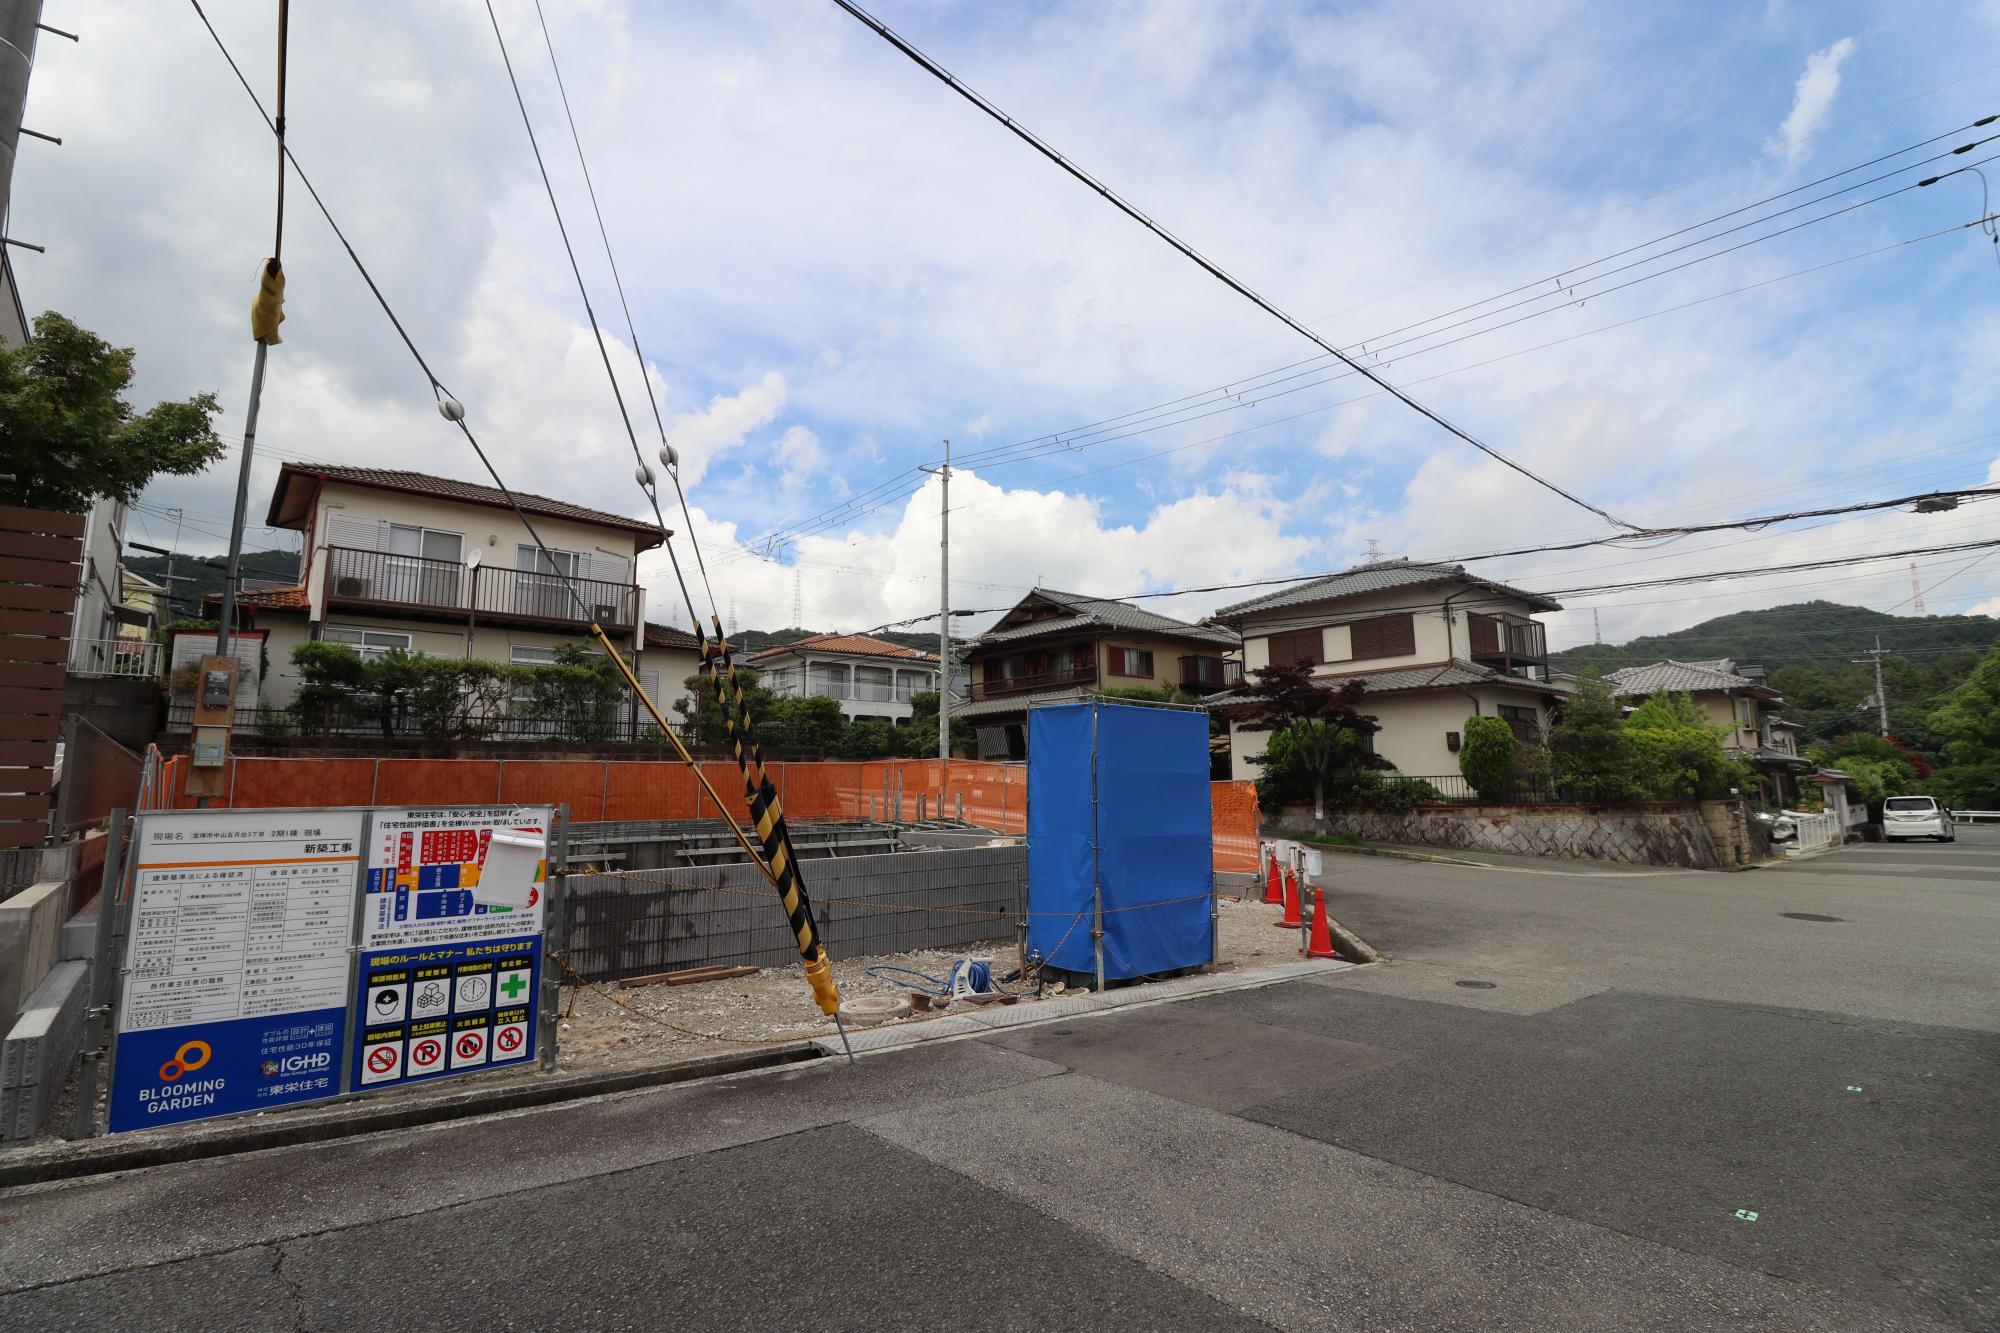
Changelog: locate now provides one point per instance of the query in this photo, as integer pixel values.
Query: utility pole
(1881, 695)
(944, 606)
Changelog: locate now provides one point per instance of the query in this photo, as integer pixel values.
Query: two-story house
(870, 677)
(1431, 644)
(1060, 645)
(1736, 698)
(444, 568)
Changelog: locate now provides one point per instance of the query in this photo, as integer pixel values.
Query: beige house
(1059, 645)
(870, 677)
(1431, 644)
(1736, 698)
(445, 568)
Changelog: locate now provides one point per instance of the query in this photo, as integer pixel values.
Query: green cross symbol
(513, 985)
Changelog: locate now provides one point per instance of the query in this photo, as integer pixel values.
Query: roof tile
(853, 645)
(1105, 613)
(447, 488)
(1381, 576)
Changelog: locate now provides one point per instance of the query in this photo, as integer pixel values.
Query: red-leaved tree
(1325, 736)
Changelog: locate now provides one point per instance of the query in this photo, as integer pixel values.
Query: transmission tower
(1916, 590)
(798, 600)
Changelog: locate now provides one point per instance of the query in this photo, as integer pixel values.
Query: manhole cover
(1478, 985)
(1809, 916)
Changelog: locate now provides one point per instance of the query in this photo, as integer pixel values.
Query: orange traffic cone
(1321, 944)
(1273, 895)
(1292, 919)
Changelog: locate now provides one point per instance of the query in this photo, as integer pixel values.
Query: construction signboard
(284, 956)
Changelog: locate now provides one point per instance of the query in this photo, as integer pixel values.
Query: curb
(349, 1117)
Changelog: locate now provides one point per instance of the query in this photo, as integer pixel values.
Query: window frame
(370, 652)
(1368, 639)
(1120, 661)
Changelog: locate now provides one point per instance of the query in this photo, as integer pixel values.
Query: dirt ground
(612, 1025)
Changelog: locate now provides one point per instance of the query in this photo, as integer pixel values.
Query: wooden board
(24, 807)
(32, 675)
(43, 622)
(23, 832)
(18, 597)
(689, 976)
(37, 547)
(52, 573)
(21, 648)
(48, 702)
(15, 519)
(18, 754)
(18, 726)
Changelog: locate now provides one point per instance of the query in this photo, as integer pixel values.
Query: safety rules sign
(274, 957)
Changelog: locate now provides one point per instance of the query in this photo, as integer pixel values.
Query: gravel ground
(775, 1005)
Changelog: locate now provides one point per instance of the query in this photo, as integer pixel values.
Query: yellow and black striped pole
(767, 812)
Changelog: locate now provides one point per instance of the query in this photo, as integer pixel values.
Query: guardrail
(1975, 816)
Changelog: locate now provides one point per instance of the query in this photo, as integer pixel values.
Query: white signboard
(423, 865)
(239, 915)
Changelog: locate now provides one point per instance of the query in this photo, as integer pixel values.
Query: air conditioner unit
(606, 613)
(350, 585)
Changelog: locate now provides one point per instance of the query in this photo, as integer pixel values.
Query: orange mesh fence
(650, 791)
(820, 791)
(556, 782)
(727, 780)
(438, 782)
(1233, 820)
(294, 782)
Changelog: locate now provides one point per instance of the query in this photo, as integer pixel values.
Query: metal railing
(359, 719)
(1041, 680)
(140, 658)
(1816, 832)
(1507, 639)
(1200, 674)
(357, 575)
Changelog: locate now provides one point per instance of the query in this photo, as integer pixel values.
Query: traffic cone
(1273, 895)
(1293, 920)
(1321, 944)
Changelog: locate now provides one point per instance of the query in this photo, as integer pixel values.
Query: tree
(1588, 748)
(1968, 725)
(803, 722)
(923, 727)
(707, 718)
(1679, 755)
(1486, 755)
(1324, 736)
(68, 437)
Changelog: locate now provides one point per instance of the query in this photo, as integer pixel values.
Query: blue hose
(978, 978)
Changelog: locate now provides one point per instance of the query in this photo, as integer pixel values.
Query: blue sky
(834, 264)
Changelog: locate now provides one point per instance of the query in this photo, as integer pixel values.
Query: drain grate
(1478, 985)
(1809, 916)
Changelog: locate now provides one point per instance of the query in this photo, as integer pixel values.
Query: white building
(870, 677)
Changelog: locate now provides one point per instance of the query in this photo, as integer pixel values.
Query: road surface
(1574, 1098)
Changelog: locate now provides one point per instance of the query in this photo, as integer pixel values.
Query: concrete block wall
(31, 925)
(39, 1050)
(664, 921)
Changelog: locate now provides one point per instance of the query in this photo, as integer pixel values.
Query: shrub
(1486, 755)
(1590, 755)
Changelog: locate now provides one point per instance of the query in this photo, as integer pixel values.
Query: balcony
(1508, 642)
(408, 585)
(1206, 675)
(1002, 686)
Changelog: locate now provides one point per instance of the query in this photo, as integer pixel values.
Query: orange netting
(1233, 823)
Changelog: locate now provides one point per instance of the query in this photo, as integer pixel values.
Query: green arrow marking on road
(513, 985)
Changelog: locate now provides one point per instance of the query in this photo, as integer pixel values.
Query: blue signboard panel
(198, 1070)
(443, 1009)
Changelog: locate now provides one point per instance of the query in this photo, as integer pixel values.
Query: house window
(1384, 636)
(542, 583)
(423, 566)
(372, 644)
(1517, 713)
(1131, 662)
(873, 684)
(1297, 648)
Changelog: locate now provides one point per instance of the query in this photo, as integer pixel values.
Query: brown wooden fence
(41, 557)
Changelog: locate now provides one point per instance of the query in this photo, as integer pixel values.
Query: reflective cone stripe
(1273, 894)
(1321, 944)
(1293, 918)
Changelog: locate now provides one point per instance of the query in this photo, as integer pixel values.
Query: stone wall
(1670, 834)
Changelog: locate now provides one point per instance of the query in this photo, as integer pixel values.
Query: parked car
(1916, 817)
(1782, 827)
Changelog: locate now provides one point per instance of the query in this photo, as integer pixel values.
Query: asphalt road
(1579, 1140)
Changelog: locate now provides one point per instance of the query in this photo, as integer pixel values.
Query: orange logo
(191, 1056)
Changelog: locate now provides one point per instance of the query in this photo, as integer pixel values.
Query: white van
(1916, 817)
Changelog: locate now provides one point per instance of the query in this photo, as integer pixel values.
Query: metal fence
(141, 658)
(1816, 832)
(501, 724)
(1452, 788)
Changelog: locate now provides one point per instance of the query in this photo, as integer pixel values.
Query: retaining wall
(625, 926)
(1667, 834)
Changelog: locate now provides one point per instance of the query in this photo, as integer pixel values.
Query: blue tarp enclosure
(1118, 798)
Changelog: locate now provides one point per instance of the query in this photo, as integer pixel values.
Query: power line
(1209, 266)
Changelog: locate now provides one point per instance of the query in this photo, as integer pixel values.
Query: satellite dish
(472, 560)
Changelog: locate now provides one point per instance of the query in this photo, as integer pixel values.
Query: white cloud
(1812, 101)
(798, 456)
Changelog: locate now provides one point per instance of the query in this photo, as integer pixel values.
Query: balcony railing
(377, 578)
(1001, 686)
(1508, 640)
(115, 657)
(1204, 675)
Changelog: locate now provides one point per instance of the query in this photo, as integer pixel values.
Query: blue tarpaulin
(1118, 798)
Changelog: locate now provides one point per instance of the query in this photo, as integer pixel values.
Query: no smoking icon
(382, 1059)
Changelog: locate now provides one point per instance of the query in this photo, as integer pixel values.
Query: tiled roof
(270, 599)
(1671, 677)
(1015, 703)
(1456, 674)
(852, 645)
(447, 488)
(1382, 576)
(1765, 754)
(670, 636)
(1105, 613)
